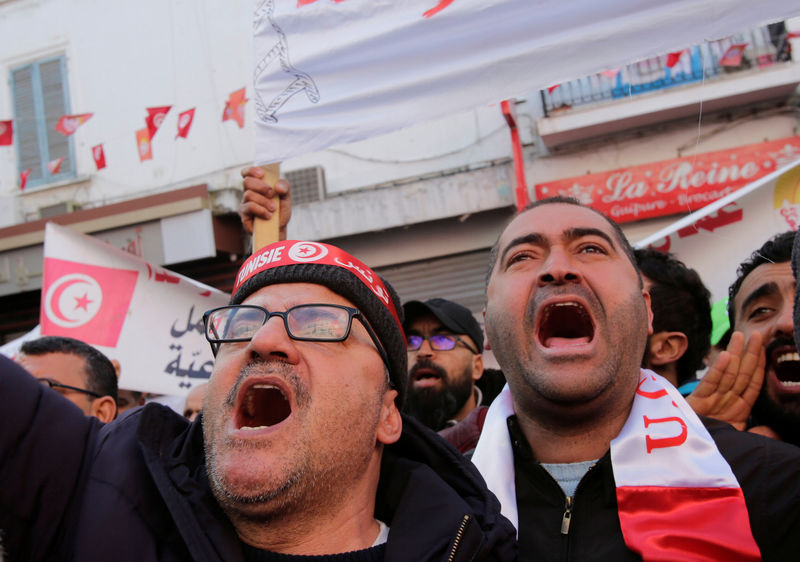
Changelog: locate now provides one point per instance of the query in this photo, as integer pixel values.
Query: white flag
(739, 224)
(146, 317)
(336, 71)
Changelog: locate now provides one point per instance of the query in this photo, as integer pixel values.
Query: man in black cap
(300, 451)
(445, 346)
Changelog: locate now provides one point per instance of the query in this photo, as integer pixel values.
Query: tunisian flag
(234, 107)
(6, 132)
(148, 318)
(85, 302)
(55, 165)
(155, 117)
(143, 145)
(99, 156)
(185, 123)
(23, 178)
(68, 124)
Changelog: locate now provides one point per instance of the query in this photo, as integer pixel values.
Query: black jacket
(768, 472)
(136, 489)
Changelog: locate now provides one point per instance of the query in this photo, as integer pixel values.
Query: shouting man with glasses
(300, 449)
(445, 344)
(76, 370)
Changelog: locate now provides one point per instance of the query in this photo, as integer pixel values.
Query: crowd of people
(316, 435)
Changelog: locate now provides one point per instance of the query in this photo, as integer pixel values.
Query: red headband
(293, 252)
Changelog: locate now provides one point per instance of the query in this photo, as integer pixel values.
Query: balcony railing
(765, 46)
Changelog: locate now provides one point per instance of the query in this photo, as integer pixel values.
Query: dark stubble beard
(433, 406)
(784, 419)
(229, 500)
(309, 479)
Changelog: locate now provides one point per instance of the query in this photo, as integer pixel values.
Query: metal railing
(765, 46)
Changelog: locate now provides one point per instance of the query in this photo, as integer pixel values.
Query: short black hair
(623, 241)
(101, 377)
(777, 249)
(680, 303)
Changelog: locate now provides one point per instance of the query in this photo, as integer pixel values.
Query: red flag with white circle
(146, 317)
(99, 156)
(155, 118)
(185, 123)
(85, 302)
(68, 124)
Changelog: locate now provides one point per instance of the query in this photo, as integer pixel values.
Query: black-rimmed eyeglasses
(305, 322)
(56, 385)
(438, 342)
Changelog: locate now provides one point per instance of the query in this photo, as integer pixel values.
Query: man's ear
(104, 409)
(649, 304)
(666, 347)
(477, 366)
(390, 425)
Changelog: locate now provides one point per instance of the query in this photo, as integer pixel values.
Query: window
(40, 97)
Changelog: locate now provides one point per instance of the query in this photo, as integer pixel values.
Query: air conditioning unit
(58, 209)
(308, 184)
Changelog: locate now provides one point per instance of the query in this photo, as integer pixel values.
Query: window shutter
(54, 105)
(40, 99)
(25, 124)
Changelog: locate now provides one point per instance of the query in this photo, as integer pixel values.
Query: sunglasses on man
(438, 342)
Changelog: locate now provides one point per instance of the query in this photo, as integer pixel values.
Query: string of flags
(68, 124)
(732, 57)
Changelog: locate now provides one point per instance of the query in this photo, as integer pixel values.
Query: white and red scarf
(677, 497)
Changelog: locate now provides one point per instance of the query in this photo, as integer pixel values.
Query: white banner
(718, 237)
(337, 71)
(11, 349)
(146, 317)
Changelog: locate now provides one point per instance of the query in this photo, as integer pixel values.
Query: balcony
(670, 87)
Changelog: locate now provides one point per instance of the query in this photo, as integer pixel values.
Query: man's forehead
(292, 294)
(57, 365)
(556, 220)
(778, 275)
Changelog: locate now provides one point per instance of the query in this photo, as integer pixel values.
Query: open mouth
(424, 379)
(425, 373)
(565, 324)
(262, 405)
(786, 366)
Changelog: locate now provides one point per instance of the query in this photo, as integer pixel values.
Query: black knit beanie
(291, 261)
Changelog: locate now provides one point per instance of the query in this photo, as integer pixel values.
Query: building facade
(423, 205)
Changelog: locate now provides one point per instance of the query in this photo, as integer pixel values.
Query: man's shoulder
(768, 472)
(740, 444)
(465, 434)
(154, 427)
(422, 475)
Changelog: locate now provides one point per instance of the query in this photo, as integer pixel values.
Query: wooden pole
(265, 232)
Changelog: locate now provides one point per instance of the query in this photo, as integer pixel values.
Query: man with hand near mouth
(445, 346)
(761, 300)
(300, 450)
(592, 457)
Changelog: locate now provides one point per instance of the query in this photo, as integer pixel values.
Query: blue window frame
(41, 97)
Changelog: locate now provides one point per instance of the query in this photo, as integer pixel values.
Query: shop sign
(680, 185)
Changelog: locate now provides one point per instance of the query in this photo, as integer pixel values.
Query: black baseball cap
(456, 318)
